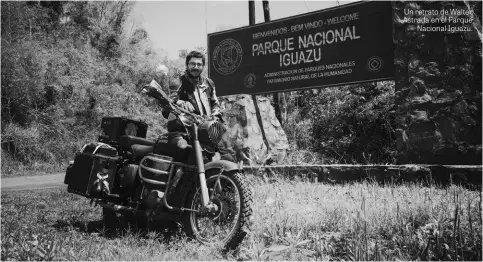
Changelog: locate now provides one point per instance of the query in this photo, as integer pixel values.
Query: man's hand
(186, 105)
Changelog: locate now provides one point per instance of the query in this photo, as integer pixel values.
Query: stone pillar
(244, 138)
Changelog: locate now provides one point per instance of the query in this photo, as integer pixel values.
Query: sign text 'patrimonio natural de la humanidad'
(342, 45)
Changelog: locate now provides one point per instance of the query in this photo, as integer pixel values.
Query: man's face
(195, 66)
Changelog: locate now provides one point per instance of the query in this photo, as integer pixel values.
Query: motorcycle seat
(126, 141)
(141, 150)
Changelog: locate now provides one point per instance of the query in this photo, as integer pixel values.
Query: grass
(293, 220)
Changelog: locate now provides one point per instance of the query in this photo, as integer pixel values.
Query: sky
(175, 25)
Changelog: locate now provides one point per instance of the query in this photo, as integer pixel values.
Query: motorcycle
(176, 178)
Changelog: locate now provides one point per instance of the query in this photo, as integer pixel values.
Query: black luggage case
(115, 127)
(94, 158)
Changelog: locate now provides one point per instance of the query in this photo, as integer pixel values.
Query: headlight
(211, 132)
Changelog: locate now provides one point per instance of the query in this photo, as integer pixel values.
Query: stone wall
(469, 176)
(244, 138)
(438, 90)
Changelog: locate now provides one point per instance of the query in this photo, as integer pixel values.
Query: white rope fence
(381, 166)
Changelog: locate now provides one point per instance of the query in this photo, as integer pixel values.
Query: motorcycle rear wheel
(119, 224)
(113, 223)
(225, 228)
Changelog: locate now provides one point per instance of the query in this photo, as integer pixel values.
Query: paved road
(57, 180)
(33, 182)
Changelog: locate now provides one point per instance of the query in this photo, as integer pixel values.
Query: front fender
(221, 164)
(211, 168)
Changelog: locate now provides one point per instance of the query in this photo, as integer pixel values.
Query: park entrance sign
(343, 45)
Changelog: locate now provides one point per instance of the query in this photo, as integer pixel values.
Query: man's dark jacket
(184, 90)
(207, 94)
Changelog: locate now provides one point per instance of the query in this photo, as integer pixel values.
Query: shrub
(353, 124)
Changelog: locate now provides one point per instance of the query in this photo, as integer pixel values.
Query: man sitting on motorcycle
(192, 92)
(196, 94)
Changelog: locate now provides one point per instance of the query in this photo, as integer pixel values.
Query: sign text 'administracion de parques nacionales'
(347, 44)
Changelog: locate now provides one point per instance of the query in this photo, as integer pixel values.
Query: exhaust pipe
(112, 197)
(119, 208)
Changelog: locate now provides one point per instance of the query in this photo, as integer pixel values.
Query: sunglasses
(193, 64)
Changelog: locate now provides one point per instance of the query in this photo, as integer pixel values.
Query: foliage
(292, 221)
(61, 74)
(65, 65)
(347, 124)
(360, 126)
(439, 108)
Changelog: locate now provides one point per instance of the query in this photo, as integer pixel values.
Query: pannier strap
(97, 147)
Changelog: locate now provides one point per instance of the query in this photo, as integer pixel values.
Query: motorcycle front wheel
(231, 193)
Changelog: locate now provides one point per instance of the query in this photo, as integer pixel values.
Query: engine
(153, 173)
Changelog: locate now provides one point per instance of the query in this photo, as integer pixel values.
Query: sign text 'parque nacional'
(342, 45)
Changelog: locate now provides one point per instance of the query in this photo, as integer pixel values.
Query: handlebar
(157, 93)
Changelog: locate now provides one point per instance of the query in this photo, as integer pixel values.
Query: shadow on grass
(162, 230)
(80, 226)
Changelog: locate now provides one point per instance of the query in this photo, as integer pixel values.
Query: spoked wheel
(224, 226)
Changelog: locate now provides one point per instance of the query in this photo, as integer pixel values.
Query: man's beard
(194, 71)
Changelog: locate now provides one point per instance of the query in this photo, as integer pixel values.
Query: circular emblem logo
(374, 64)
(250, 80)
(227, 56)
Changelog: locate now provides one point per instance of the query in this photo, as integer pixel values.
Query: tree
(201, 49)
(182, 53)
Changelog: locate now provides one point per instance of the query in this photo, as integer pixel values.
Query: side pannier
(93, 162)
